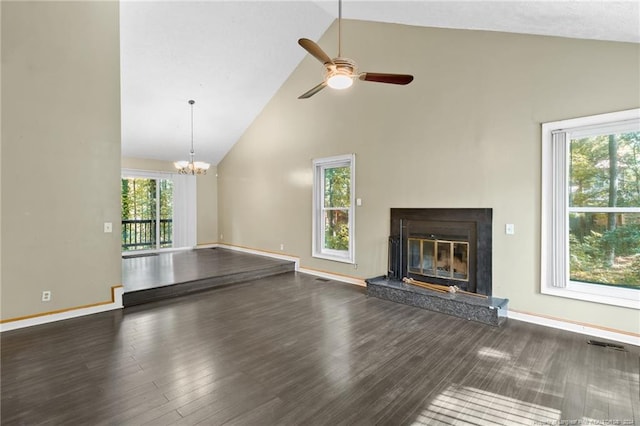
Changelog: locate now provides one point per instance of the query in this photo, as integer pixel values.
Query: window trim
(317, 250)
(554, 275)
(184, 207)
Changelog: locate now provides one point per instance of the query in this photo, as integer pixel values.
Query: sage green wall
(206, 196)
(60, 154)
(465, 133)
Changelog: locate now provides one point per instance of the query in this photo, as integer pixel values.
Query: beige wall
(60, 154)
(465, 133)
(206, 196)
(207, 215)
(1, 171)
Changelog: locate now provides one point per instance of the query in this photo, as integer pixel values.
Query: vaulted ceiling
(231, 57)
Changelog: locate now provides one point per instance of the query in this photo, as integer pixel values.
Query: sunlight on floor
(471, 406)
(493, 354)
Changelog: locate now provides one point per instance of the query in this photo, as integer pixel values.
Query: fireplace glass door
(439, 258)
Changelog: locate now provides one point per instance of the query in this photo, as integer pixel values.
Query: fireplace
(436, 248)
(442, 246)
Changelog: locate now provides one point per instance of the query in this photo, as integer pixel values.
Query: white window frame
(318, 250)
(555, 208)
(184, 208)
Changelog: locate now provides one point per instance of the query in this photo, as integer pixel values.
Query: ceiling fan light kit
(339, 80)
(340, 72)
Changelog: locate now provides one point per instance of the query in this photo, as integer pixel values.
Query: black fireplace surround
(455, 224)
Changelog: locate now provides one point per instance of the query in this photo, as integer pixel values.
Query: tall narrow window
(591, 208)
(333, 213)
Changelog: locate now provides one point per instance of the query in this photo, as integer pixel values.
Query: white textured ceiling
(232, 56)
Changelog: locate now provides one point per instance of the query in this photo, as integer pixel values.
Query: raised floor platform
(173, 274)
(490, 311)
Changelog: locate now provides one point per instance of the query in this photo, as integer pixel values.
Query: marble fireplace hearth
(491, 311)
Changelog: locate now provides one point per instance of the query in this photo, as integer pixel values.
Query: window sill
(625, 298)
(333, 258)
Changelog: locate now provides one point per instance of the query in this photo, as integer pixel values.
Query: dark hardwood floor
(178, 273)
(292, 349)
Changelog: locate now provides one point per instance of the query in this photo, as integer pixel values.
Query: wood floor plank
(167, 419)
(263, 414)
(291, 350)
(187, 401)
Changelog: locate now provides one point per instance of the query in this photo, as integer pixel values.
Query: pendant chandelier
(192, 167)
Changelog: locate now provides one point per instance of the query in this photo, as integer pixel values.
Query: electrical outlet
(46, 296)
(281, 247)
(221, 237)
(108, 227)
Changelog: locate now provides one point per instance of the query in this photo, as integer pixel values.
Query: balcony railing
(140, 234)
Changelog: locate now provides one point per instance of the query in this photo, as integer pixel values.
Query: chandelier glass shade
(191, 167)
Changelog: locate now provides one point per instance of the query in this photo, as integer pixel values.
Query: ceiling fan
(340, 72)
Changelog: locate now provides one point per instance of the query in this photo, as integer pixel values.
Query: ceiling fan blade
(313, 91)
(386, 78)
(315, 50)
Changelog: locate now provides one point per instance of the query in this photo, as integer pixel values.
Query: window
(591, 208)
(333, 213)
(158, 210)
(147, 212)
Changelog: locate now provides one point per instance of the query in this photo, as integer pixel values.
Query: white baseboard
(116, 295)
(334, 277)
(274, 255)
(315, 272)
(586, 329)
(207, 246)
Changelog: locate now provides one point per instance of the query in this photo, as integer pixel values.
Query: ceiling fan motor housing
(342, 66)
